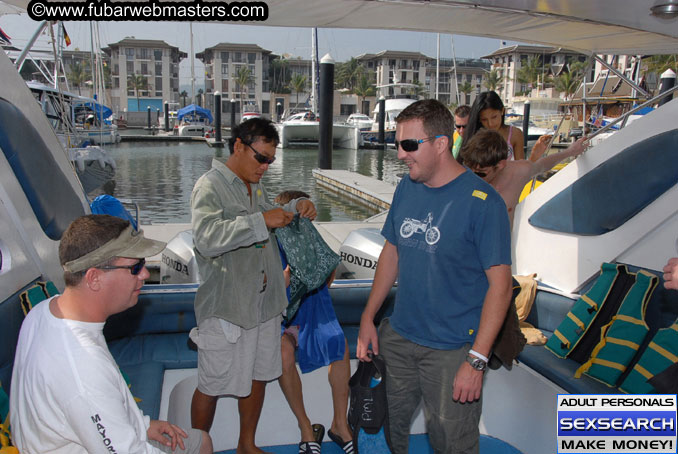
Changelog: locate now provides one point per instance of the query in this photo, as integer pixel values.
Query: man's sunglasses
(480, 174)
(261, 158)
(413, 144)
(134, 269)
(459, 126)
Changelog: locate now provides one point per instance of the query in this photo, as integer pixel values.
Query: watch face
(476, 363)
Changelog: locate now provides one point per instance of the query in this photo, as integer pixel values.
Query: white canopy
(589, 26)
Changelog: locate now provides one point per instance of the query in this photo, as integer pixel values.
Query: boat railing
(624, 118)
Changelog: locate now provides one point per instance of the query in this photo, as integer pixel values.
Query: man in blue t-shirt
(448, 244)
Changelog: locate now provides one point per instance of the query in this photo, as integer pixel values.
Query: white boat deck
(369, 190)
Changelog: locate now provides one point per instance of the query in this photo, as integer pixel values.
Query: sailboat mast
(314, 70)
(190, 25)
(437, 65)
(454, 63)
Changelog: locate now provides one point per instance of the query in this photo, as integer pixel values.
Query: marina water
(159, 177)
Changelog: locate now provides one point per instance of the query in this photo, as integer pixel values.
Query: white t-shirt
(67, 393)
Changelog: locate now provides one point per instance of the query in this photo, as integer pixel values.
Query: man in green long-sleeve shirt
(240, 301)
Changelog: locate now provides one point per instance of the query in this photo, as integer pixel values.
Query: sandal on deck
(318, 433)
(346, 446)
(309, 447)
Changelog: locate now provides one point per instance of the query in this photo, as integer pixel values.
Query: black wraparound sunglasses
(413, 144)
(261, 158)
(134, 269)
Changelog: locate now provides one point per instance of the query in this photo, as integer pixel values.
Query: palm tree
(298, 84)
(659, 63)
(183, 95)
(137, 82)
(492, 80)
(364, 88)
(568, 83)
(530, 72)
(466, 88)
(243, 77)
(279, 76)
(348, 74)
(78, 75)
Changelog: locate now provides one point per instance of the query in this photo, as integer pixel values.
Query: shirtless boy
(486, 155)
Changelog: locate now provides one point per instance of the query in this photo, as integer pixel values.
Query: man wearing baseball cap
(67, 393)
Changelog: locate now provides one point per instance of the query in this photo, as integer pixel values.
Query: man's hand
(366, 336)
(671, 274)
(287, 273)
(578, 147)
(539, 147)
(306, 209)
(277, 217)
(467, 384)
(166, 434)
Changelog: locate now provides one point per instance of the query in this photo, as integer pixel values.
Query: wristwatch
(476, 363)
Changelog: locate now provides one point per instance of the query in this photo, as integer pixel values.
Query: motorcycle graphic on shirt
(411, 226)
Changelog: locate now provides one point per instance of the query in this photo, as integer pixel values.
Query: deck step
(369, 190)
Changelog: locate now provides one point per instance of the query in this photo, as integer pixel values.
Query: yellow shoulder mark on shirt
(480, 194)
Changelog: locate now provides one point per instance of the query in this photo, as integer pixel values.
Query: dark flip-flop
(346, 446)
(309, 447)
(318, 433)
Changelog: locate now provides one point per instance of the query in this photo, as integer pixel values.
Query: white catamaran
(616, 203)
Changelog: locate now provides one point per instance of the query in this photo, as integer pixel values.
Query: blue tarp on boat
(99, 110)
(194, 111)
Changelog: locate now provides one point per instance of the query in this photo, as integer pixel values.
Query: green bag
(311, 260)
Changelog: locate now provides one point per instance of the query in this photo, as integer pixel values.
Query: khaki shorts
(230, 357)
(192, 443)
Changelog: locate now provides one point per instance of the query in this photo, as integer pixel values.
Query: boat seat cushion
(145, 381)
(171, 350)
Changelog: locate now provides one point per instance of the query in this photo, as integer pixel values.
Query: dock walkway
(371, 191)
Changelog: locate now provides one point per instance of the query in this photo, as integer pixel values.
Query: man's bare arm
(547, 162)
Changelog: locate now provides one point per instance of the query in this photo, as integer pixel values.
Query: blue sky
(341, 44)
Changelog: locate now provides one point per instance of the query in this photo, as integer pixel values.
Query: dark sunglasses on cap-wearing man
(261, 158)
(134, 269)
(413, 144)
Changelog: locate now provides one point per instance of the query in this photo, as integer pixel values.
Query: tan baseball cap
(130, 244)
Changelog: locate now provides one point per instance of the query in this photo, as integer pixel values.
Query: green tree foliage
(364, 88)
(348, 74)
(298, 84)
(466, 88)
(492, 80)
(279, 75)
(78, 75)
(183, 95)
(243, 77)
(137, 82)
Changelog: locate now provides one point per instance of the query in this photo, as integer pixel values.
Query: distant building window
(157, 54)
(265, 107)
(158, 84)
(130, 67)
(116, 82)
(224, 57)
(237, 57)
(144, 68)
(224, 68)
(142, 53)
(158, 69)
(224, 85)
(346, 109)
(251, 57)
(129, 53)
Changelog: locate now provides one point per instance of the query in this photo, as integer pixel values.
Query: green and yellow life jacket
(621, 338)
(661, 352)
(583, 312)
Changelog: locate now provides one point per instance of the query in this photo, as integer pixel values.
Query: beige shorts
(230, 357)
(192, 443)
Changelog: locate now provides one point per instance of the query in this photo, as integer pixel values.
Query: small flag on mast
(67, 39)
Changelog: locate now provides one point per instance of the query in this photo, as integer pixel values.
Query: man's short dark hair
(251, 130)
(435, 116)
(83, 236)
(485, 149)
(462, 111)
(291, 194)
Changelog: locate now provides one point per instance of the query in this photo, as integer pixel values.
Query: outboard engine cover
(178, 264)
(359, 254)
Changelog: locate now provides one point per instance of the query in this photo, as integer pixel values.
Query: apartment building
(156, 62)
(469, 72)
(397, 73)
(508, 61)
(224, 62)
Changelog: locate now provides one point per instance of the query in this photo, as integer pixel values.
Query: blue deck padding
(146, 384)
(418, 445)
(171, 350)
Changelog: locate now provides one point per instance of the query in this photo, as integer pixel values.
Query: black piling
(217, 117)
(326, 101)
(382, 121)
(526, 125)
(148, 117)
(167, 128)
(232, 113)
(666, 82)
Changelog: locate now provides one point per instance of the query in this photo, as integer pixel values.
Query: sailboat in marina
(617, 203)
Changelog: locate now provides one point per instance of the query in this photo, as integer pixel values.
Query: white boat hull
(308, 133)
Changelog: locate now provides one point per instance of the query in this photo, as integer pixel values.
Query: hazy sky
(342, 44)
